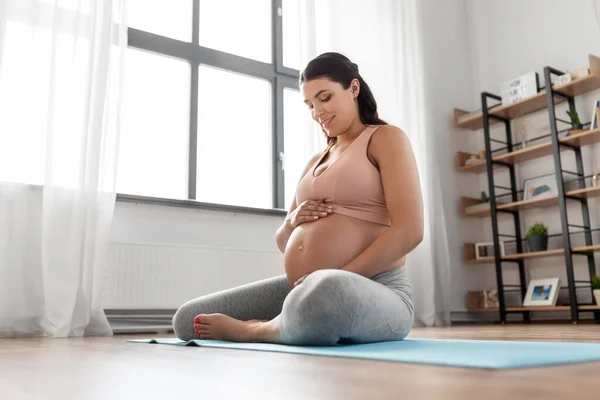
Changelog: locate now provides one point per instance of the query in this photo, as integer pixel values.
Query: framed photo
(541, 186)
(542, 292)
(595, 112)
(483, 250)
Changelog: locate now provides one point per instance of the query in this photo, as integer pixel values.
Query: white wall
(509, 38)
(162, 256)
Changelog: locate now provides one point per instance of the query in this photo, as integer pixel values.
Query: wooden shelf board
(479, 213)
(526, 154)
(588, 249)
(535, 254)
(589, 308)
(526, 106)
(473, 123)
(527, 204)
(515, 206)
(483, 260)
(536, 102)
(579, 86)
(585, 84)
(474, 167)
(583, 139)
(538, 254)
(521, 309)
(541, 150)
(584, 193)
(538, 308)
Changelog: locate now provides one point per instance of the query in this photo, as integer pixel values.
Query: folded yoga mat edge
(487, 354)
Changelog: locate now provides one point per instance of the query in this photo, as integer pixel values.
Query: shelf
(535, 254)
(461, 157)
(528, 204)
(586, 249)
(536, 308)
(584, 193)
(525, 204)
(513, 206)
(470, 256)
(589, 308)
(585, 138)
(522, 309)
(585, 84)
(473, 123)
(470, 201)
(536, 102)
(510, 111)
(526, 154)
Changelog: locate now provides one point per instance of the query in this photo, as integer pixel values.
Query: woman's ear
(355, 87)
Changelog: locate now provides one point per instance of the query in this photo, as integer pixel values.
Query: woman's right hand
(309, 210)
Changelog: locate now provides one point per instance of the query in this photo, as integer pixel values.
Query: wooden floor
(110, 368)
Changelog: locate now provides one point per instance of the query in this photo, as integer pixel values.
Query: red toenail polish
(197, 320)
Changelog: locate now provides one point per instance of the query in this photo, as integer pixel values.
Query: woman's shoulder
(387, 138)
(384, 130)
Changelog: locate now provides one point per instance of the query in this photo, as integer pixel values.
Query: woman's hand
(309, 210)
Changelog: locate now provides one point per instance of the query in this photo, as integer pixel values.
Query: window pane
(239, 27)
(295, 141)
(171, 18)
(291, 34)
(24, 92)
(153, 150)
(234, 139)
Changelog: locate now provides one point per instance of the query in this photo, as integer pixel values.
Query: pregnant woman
(357, 213)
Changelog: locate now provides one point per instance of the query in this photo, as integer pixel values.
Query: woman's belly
(328, 243)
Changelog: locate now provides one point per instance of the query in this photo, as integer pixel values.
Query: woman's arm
(285, 230)
(392, 151)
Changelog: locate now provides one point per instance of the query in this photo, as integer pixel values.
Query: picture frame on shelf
(595, 115)
(542, 292)
(483, 250)
(540, 186)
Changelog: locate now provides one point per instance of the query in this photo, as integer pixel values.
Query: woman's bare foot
(224, 327)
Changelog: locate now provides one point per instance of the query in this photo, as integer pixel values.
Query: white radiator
(145, 276)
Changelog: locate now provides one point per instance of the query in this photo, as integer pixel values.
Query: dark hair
(338, 68)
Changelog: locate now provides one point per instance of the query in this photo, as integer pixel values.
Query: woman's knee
(322, 292)
(183, 322)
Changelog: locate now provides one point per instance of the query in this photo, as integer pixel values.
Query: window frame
(276, 73)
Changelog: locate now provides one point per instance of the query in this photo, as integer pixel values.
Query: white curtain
(596, 8)
(383, 38)
(60, 64)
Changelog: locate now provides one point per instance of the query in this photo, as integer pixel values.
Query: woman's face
(332, 107)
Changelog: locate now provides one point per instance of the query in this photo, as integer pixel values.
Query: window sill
(192, 204)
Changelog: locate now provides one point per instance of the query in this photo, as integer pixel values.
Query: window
(153, 150)
(294, 112)
(204, 82)
(239, 27)
(168, 18)
(234, 139)
(291, 34)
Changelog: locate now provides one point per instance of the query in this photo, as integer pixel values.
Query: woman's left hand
(299, 281)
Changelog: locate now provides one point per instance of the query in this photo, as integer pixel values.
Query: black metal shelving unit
(557, 147)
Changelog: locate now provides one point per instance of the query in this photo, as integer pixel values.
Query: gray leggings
(331, 306)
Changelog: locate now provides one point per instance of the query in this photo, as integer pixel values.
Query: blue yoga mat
(489, 354)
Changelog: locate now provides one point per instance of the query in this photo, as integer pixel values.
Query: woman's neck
(353, 131)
